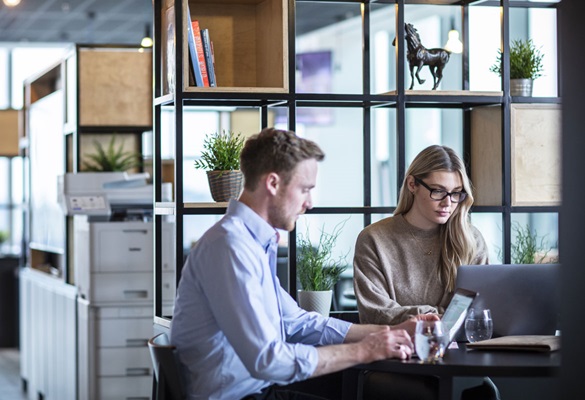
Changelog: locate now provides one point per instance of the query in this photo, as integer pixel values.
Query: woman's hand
(410, 324)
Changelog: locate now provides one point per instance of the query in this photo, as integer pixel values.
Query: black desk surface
(462, 362)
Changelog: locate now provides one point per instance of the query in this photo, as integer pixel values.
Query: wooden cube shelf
(115, 87)
(250, 41)
(535, 149)
(10, 126)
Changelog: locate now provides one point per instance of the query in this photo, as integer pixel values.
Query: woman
(406, 264)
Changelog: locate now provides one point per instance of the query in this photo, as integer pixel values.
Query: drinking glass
(478, 325)
(430, 340)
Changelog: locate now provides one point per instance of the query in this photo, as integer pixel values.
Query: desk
(463, 363)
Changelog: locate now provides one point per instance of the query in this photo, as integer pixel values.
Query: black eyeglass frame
(462, 195)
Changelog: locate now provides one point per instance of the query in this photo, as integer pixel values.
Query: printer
(113, 270)
(109, 195)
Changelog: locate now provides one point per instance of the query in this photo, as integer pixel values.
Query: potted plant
(317, 271)
(4, 236)
(112, 159)
(221, 159)
(525, 66)
(529, 248)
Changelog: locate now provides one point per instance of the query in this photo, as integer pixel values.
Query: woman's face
(428, 213)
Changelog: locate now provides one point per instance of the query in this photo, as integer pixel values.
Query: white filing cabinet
(47, 336)
(113, 269)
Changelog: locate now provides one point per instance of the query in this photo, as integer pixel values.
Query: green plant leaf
(525, 60)
(221, 152)
(111, 159)
(315, 267)
(528, 247)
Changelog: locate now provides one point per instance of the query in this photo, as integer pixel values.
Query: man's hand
(387, 343)
(364, 344)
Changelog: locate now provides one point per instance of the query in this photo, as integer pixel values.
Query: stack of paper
(543, 343)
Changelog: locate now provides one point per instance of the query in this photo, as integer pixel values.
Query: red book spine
(199, 49)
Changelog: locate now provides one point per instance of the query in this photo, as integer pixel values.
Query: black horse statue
(418, 56)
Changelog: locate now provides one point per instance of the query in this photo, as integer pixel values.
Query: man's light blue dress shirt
(236, 330)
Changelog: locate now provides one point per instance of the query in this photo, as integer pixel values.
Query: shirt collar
(262, 231)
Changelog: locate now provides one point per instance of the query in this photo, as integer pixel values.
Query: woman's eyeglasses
(440, 194)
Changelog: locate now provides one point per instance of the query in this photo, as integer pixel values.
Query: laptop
(455, 314)
(524, 299)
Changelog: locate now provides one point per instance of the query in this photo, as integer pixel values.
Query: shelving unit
(67, 108)
(91, 95)
(266, 97)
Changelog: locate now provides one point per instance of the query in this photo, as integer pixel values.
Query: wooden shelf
(454, 93)
(10, 130)
(535, 149)
(112, 89)
(250, 44)
(169, 208)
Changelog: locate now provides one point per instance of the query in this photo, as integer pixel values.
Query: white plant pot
(316, 301)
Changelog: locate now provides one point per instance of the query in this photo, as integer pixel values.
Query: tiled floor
(10, 387)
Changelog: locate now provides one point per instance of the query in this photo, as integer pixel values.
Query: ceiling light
(146, 40)
(11, 3)
(453, 44)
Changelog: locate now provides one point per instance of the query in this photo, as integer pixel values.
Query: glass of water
(478, 325)
(430, 341)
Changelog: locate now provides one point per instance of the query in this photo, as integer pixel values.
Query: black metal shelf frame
(400, 100)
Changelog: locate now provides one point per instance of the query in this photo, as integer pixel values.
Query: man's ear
(272, 182)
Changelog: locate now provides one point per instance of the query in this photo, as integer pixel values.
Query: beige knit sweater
(394, 278)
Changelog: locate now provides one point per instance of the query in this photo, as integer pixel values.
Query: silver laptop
(524, 299)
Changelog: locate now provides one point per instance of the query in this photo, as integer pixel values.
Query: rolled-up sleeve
(310, 327)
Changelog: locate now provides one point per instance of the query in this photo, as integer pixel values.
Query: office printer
(108, 196)
(113, 269)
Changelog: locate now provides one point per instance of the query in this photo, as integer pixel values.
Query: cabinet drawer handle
(135, 294)
(143, 231)
(137, 371)
(136, 342)
(134, 249)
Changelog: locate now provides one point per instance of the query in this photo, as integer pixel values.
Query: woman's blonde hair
(458, 244)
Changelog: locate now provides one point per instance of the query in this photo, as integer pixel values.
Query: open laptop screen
(524, 299)
(455, 313)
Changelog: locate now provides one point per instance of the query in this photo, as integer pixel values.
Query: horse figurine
(418, 56)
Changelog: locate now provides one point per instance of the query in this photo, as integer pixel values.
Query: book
(168, 50)
(197, 55)
(208, 56)
(541, 343)
(200, 53)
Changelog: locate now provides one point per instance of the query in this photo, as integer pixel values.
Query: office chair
(167, 381)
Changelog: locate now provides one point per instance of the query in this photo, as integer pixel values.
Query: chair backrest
(169, 383)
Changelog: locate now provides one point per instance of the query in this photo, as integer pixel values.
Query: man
(238, 333)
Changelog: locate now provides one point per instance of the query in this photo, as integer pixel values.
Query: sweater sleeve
(373, 287)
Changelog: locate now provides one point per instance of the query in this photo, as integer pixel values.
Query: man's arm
(358, 331)
(367, 343)
(377, 342)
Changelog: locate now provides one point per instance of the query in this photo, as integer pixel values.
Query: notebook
(524, 299)
(539, 343)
